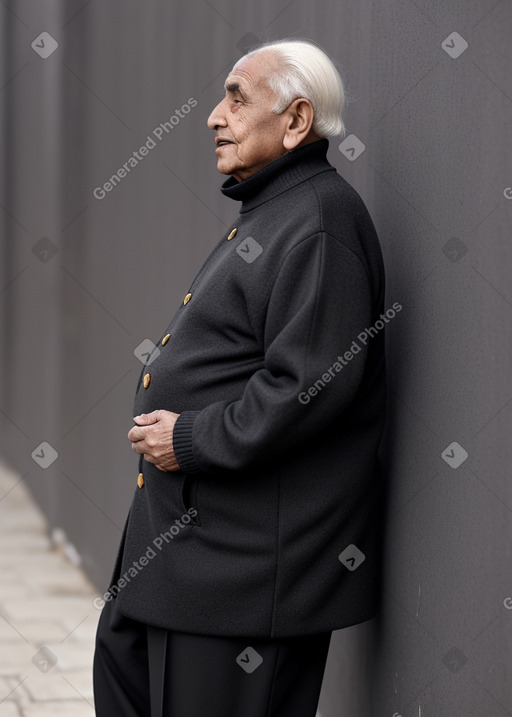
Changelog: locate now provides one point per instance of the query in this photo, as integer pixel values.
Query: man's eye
(233, 99)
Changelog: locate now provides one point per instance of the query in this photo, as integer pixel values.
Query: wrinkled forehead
(251, 73)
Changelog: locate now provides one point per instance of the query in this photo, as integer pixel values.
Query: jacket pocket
(189, 498)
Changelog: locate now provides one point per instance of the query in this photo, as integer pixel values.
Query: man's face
(244, 117)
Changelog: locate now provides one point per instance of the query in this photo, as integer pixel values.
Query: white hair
(306, 71)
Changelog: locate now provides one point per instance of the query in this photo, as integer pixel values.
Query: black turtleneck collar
(283, 173)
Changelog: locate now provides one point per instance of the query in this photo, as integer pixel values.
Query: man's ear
(299, 120)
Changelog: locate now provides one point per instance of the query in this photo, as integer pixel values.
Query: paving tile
(37, 562)
(15, 590)
(73, 655)
(81, 680)
(14, 689)
(22, 521)
(5, 688)
(16, 659)
(35, 631)
(10, 632)
(86, 631)
(46, 611)
(47, 608)
(65, 708)
(57, 685)
(58, 582)
(25, 542)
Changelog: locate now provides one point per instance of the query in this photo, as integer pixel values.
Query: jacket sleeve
(319, 303)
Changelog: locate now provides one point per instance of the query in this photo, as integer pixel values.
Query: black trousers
(143, 671)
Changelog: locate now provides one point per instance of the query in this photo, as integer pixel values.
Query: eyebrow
(234, 87)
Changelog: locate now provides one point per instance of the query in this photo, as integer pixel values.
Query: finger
(146, 418)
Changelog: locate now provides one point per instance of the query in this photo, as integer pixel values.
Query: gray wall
(434, 175)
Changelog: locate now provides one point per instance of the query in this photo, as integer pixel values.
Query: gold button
(232, 233)
(166, 339)
(187, 298)
(140, 480)
(147, 379)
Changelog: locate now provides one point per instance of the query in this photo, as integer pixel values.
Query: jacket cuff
(182, 441)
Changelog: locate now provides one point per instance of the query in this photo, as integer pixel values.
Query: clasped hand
(152, 436)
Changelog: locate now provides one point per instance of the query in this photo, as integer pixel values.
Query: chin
(224, 168)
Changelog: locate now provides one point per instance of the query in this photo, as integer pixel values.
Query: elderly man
(255, 525)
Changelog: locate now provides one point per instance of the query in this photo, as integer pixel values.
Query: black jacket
(281, 392)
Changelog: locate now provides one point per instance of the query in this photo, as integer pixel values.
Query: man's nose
(217, 118)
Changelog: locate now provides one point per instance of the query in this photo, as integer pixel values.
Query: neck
(283, 173)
